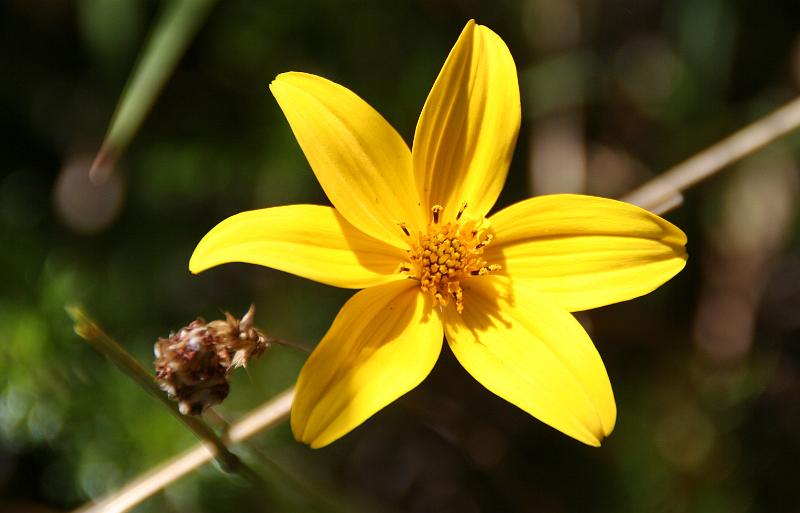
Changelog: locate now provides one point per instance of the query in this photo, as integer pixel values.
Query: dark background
(706, 370)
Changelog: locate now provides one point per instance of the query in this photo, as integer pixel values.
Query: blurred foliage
(706, 370)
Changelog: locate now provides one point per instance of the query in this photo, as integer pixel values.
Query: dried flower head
(193, 364)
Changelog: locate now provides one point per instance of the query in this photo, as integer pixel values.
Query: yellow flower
(410, 228)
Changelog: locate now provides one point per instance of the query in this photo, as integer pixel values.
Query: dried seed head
(192, 365)
(241, 341)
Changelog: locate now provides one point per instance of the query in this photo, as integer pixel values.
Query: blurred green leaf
(178, 23)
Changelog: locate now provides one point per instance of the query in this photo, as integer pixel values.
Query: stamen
(404, 228)
(461, 211)
(435, 211)
(485, 241)
(446, 254)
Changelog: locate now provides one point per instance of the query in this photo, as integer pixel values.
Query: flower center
(447, 254)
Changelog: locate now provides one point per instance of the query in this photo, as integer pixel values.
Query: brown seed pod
(193, 364)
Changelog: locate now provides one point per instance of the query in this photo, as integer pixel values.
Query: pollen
(447, 254)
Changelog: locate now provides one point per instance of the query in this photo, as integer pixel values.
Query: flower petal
(383, 343)
(363, 165)
(522, 347)
(311, 241)
(469, 124)
(585, 252)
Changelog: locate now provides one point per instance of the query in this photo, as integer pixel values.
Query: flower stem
(663, 193)
(87, 329)
(273, 412)
(286, 343)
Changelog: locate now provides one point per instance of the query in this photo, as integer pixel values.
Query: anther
(446, 254)
(485, 241)
(435, 211)
(404, 228)
(461, 210)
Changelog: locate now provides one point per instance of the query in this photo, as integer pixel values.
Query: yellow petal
(363, 165)
(311, 241)
(520, 346)
(585, 252)
(466, 132)
(383, 343)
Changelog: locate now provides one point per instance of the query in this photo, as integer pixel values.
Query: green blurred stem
(663, 193)
(87, 329)
(177, 24)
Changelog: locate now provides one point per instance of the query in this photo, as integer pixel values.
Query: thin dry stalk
(88, 330)
(662, 193)
(273, 412)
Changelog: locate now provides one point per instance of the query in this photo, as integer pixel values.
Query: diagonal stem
(103, 343)
(178, 22)
(273, 412)
(663, 193)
